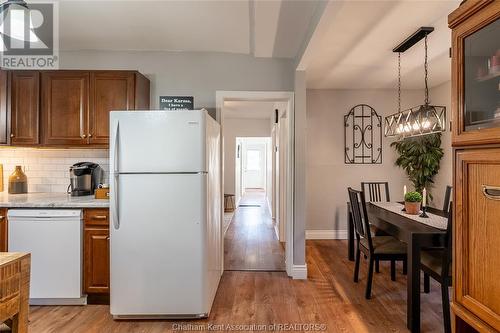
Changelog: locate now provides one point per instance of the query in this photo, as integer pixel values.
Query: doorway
(253, 165)
(256, 170)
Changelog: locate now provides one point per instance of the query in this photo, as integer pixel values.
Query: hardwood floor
(328, 297)
(250, 242)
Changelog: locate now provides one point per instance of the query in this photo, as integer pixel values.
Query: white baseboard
(326, 234)
(299, 272)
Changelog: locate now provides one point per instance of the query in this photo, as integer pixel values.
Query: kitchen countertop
(50, 200)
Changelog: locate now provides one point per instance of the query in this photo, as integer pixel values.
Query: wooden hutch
(476, 140)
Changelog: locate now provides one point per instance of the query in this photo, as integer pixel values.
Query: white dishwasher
(54, 239)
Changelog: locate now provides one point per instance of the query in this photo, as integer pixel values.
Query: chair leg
(393, 270)
(405, 267)
(377, 266)
(356, 265)
(427, 283)
(368, 293)
(446, 308)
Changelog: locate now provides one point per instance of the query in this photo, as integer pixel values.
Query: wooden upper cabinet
(110, 91)
(476, 73)
(4, 114)
(65, 107)
(24, 107)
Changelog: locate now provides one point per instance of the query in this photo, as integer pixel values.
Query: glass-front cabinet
(482, 78)
(476, 72)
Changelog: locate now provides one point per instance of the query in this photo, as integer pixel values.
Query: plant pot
(412, 208)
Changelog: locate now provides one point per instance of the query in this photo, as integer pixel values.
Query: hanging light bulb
(423, 119)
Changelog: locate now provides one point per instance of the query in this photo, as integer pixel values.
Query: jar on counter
(18, 181)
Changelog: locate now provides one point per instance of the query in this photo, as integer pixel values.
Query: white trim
(299, 272)
(326, 234)
(283, 96)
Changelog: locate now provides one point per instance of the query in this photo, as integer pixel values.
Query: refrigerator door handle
(116, 208)
(116, 175)
(115, 152)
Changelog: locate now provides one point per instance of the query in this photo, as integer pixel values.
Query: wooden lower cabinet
(3, 230)
(477, 237)
(96, 251)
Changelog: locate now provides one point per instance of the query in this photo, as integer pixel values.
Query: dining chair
(447, 199)
(376, 191)
(436, 263)
(383, 248)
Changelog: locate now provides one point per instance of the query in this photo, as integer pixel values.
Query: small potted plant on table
(412, 203)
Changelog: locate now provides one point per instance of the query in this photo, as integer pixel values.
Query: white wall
(441, 95)
(48, 169)
(239, 127)
(327, 175)
(195, 74)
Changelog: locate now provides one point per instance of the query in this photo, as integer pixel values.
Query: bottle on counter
(18, 181)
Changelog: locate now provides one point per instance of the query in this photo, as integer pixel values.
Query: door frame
(273, 96)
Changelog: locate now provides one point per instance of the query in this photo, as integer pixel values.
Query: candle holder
(424, 212)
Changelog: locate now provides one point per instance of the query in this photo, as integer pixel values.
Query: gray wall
(327, 175)
(441, 95)
(195, 74)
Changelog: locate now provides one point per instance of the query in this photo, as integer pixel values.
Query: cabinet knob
(90, 135)
(11, 135)
(83, 136)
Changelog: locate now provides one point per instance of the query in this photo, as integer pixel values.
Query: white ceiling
(249, 109)
(236, 26)
(352, 45)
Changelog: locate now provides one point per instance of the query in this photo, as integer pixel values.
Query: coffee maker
(84, 177)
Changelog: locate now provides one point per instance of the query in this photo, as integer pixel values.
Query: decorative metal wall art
(362, 136)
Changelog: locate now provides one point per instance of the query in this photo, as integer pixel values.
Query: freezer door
(157, 265)
(157, 141)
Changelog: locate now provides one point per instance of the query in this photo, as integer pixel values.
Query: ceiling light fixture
(420, 120)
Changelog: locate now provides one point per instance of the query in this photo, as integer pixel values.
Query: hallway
(250, 242)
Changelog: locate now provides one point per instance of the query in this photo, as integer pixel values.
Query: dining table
(417, 232)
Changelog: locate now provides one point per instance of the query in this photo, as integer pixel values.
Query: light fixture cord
(399, 81)
(426, 73)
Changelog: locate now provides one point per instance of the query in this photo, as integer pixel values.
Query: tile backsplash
(48, 169)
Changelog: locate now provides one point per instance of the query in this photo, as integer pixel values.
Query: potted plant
(420, 158)
(412, 203)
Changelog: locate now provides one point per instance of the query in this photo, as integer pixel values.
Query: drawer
(477, 233)
(96, 217)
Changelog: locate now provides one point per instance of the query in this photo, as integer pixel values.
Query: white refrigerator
(165, 206)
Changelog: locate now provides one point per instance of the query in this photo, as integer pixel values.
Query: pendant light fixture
(420, 120)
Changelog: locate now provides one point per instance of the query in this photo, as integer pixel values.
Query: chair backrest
(360, 216)
(447, 199)
(376, 191)
(448, 241)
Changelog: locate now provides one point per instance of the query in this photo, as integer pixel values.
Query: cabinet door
(24, 105)
(4, 114)
(65, 107)
(96, 260)
(477, 233)
(3, 230)
(109, 91)
(476, 74)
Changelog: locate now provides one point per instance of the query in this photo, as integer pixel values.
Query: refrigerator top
(159, 141)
